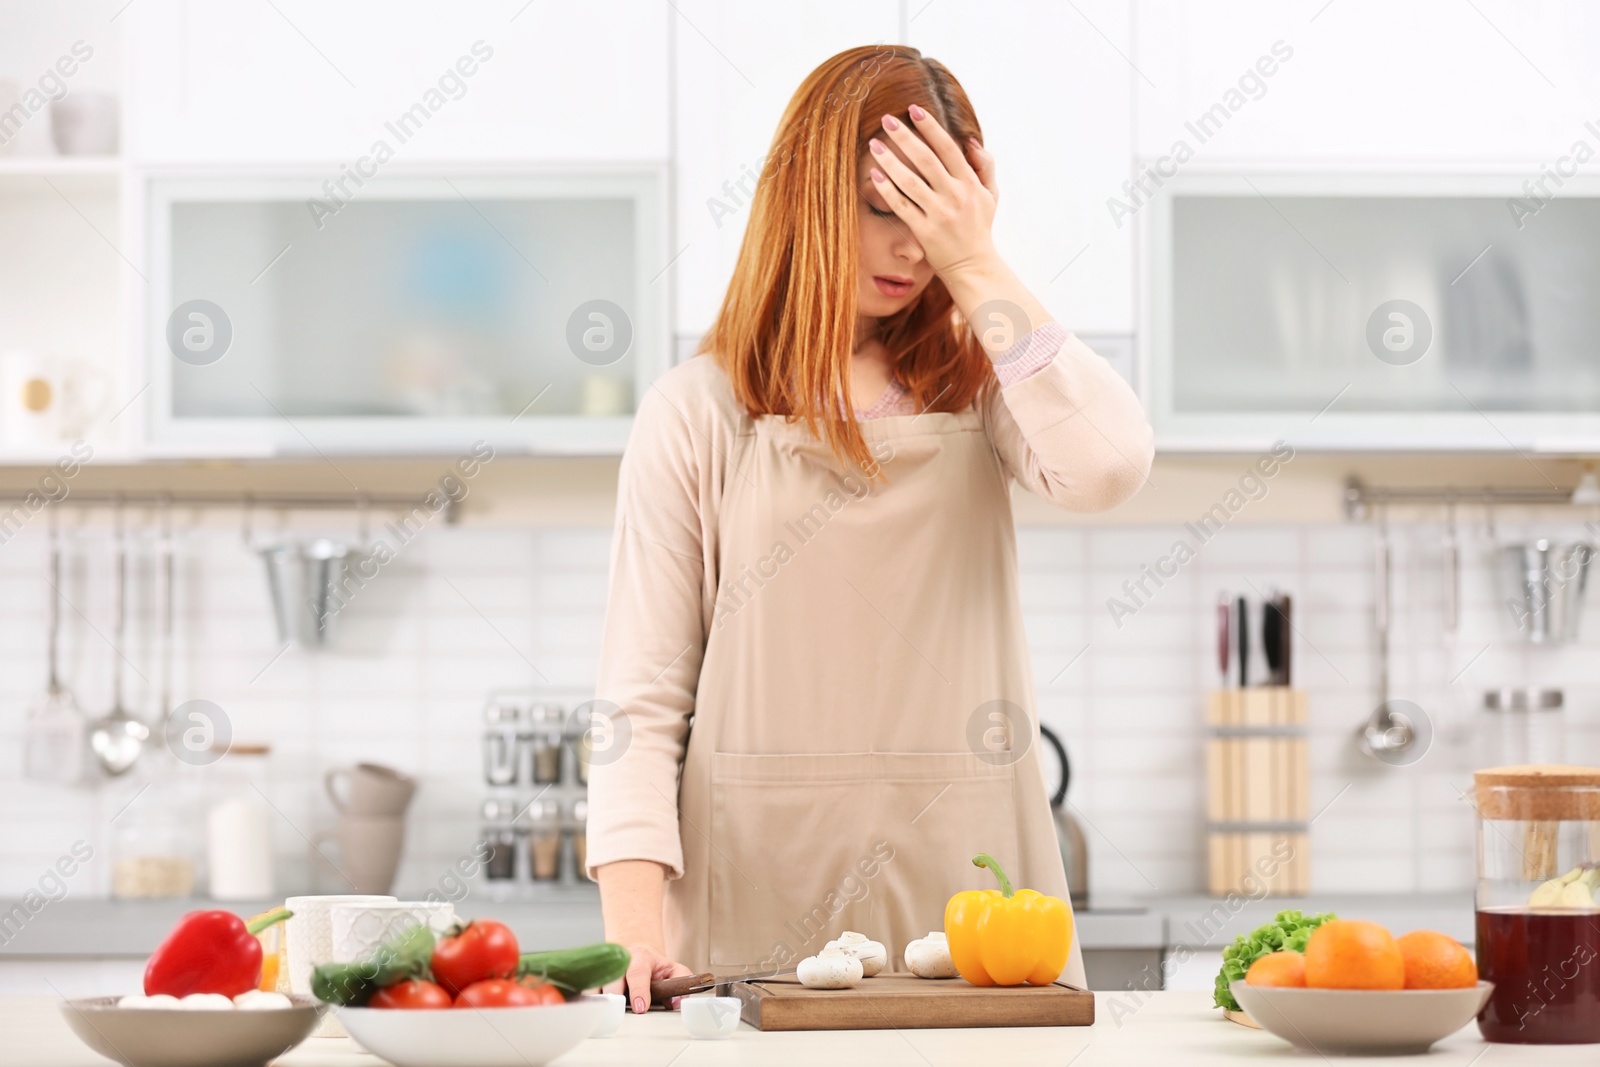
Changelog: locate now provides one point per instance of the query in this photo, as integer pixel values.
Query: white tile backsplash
(463, 611)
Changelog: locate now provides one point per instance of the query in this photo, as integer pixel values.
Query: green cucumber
(352, 984)
(572, 970)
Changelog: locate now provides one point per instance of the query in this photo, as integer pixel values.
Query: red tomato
(547, 993)
(412, 993)
(482, 949)
(504, 993)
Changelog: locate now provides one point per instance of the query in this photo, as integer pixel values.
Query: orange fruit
(1351, 954)
(1286, 968)
(1434, 961)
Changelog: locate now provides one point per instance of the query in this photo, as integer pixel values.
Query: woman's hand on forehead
(945, 193)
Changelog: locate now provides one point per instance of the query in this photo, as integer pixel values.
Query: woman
(814, 564)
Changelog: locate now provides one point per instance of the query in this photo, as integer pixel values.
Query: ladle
(118, 739)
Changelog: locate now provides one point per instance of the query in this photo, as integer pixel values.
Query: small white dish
(710, 1017)
(1360, 1021)
(611, 1021)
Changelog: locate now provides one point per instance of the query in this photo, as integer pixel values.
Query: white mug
(85, 123)
(45, 400)
(308, 941)
(360, 929)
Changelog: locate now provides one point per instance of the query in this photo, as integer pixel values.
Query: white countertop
(1158, 1029)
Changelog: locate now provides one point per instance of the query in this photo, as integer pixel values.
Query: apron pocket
(806, 846)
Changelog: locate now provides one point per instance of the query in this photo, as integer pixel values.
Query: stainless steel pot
(306, 580)
(1544, 584)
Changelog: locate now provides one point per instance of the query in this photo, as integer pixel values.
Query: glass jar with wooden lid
(1538, 923)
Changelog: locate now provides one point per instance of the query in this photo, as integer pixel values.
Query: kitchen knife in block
(1242, 629)
(906, 1002)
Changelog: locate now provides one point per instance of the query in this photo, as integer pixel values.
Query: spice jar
(542, 742)
(499, 833)
(501, 720)
(544, 840)
(1538, 925)
(579, 831)
(578, 750)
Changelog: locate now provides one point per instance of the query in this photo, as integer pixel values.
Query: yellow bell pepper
(1007, 936)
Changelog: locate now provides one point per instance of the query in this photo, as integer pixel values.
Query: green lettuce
(1288, 930)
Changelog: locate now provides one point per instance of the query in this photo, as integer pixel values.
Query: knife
(1286, 615)
(664, 990)
(1244, 642)
(1272, 639)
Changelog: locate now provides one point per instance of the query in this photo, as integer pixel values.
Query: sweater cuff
(1030, 353)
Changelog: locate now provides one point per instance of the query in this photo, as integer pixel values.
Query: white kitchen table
(1177, 1029)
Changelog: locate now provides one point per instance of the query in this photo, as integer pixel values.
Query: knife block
(1258, 795)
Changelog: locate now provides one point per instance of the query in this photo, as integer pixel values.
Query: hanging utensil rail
(1359, 499)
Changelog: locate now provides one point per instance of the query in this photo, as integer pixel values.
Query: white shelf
(60, 166)
(49, 455)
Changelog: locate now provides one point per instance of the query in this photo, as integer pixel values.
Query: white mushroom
(206, 1002)
(929, 957)
(832, 968)
(261, 1000)
(873, 956)
(139, 1000)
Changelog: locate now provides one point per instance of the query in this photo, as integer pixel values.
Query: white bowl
(710, 1017)
(474, 1037)
(1382, 1022)
(176, 1037)
(616, 1007)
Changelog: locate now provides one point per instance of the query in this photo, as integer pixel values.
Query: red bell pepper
(209, 952)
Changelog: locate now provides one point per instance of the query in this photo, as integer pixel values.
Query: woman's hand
(948, 204)
(646, 963)
(947, 198)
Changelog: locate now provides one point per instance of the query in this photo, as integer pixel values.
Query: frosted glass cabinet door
(1375, 312)
(420, 315)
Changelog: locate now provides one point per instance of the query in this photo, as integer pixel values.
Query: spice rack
(535, 806)
(1258, 800)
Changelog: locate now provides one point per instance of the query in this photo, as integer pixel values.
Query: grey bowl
(1375, 1022)
(175, 1037)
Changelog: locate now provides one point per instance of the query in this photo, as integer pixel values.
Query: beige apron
(848, 754)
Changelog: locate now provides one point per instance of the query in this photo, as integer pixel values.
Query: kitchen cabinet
(1372, 310)
(735, 67)
(419, 312)
(293, 81)
(1052, 85)
(1367, 80)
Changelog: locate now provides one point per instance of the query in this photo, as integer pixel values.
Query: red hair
(785, 331)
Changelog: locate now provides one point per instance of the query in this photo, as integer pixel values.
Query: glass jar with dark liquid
(1538, 923)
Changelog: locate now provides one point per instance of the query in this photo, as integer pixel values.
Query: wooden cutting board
(906, 1002)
